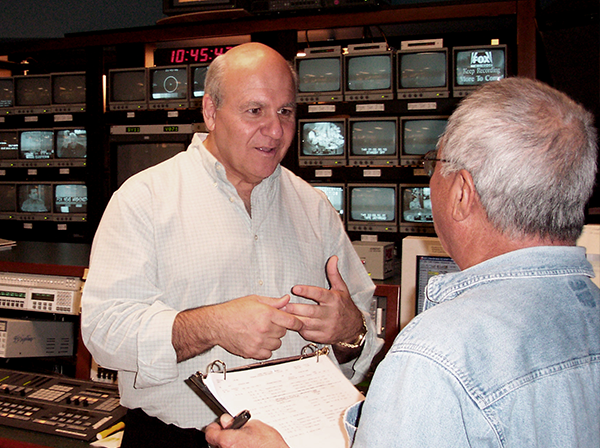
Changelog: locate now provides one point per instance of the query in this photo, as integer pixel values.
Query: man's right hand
(254, 434)
(250, 327)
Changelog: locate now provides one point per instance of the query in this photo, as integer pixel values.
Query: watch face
(188, 55)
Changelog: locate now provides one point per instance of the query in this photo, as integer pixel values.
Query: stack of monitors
(40, 94)
(43, 201)
(372, 141)
(39, 148)
(419, 70)
(381, 207)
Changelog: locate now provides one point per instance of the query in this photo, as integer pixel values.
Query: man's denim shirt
(508, 357)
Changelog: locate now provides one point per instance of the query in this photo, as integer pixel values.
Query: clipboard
(304, 397)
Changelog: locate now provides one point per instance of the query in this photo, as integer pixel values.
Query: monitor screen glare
(68, 88)
(128, 86)
(32, 91)
(423, 70)
(316, 75)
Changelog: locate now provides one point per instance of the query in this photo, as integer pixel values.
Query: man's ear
(209, 111)
(464, 195)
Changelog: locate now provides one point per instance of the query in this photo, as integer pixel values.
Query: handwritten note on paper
(304, 400)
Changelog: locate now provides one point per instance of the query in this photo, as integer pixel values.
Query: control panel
(42, 293)
(58, 405)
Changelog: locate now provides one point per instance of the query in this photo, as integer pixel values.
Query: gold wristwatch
(360, 339)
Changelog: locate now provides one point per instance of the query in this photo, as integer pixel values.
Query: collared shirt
(508, 357)
(177, 236)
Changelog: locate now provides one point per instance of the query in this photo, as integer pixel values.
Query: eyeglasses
(429, 161)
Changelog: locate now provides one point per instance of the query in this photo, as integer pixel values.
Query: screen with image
(427, 267)
(70, 198)
(33, 90)
(6, 93)
(36, 144)
(127, 89)
(415, 209)
(419, 135)
(34, 198)
(369, 76)
(336, 193)
(423, 74)
(8, 198)
(373, 141)
(71, 143)
(168, 87)
(372, 207)
(198, 77)
(322, 142)
(9, 145)
(68, 88)
(474, 66)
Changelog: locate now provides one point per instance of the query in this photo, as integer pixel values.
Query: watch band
(360, 340)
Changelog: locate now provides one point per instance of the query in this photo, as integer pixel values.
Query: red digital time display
(188, 55)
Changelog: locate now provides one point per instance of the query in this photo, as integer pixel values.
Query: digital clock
(188, 55)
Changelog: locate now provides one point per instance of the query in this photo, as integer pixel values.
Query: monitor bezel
(33, 109)
(333, 52)
(60, 107)
(370, 227)
(461, 91)
(421, 92)
(317, 161)
(169, 103)
(410, 226)
(358, 51)
(373, 160)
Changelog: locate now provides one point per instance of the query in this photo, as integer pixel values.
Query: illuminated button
(255, 237)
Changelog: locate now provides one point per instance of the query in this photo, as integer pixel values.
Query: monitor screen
(71, 143)
(8, 198)
(35, 145)
(322, 142)
(373, 141)
(369, 77)
(419, 135)
(336, 193)
(415, 209)
(6, 92)
(127, 89)
(34, 198)
(32, 90)
(70, 198)
(320, 74)
(135, 157)
(372, 207)
(168, 83)
(68, 88)
(474, 66)
(9, 145)
(423, 74)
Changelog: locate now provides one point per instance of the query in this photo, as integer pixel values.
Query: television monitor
(369, 73)
(33, 94)
(135, 148)
(7, 98)
(168, 87)
(36, 144)
(322, 142)
(9, 146)
(415, 209)
(320, 75)
(68, 92)
(128, 89)
(70, 200)
(422, 73)
(429, 266)
(373, 141)
(198, 76)
(336, 193)
(8, 199)
(474, 66)
(418, 136)
(35, 199)
(70, 143)
(372, 207)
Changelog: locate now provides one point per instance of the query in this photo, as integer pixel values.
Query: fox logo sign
(481, 58)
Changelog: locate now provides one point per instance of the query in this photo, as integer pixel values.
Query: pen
(107, 432)
(240, 420)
